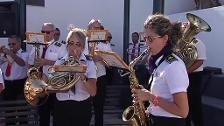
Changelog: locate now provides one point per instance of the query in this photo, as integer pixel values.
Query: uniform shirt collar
(19, 51)
(51, 42)
(158, 60)
(82, 57)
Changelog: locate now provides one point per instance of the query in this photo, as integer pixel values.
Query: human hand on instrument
(97, 58)
(83, 78)
(40, 62)
(1, 49)
(44, 78)
(6, 51)
(140, 94)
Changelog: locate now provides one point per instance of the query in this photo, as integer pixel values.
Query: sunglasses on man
(11, 44)
(47, 32)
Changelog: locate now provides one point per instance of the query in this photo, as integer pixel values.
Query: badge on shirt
(58, 44)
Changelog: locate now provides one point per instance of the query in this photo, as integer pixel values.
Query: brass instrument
(185, 47)
(36, 90)
(135, 114)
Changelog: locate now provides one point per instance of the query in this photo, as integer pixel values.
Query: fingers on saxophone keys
(141, 87)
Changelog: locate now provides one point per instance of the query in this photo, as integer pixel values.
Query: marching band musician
(73, 108)
(49, 53)
(98, 100)
(195, 72)
(135, 51)
(14, 67)
(169, 81)
(2, 86)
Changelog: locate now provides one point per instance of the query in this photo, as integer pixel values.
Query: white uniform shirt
(169, 78)
(1, 79)
(80, 90)
(56, 50)
(201, 49)
(101, 70)
(17, 72)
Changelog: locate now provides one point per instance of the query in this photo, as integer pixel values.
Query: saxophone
(135, 114)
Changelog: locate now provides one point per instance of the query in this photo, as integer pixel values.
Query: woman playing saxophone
(169, 81)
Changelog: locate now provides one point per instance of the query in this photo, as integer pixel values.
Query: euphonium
(36, 90)
(135, 114)
(185, 47)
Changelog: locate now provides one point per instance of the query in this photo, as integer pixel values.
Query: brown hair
(162, 26)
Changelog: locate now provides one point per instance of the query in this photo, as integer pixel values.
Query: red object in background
(133, 52)
(8, 70)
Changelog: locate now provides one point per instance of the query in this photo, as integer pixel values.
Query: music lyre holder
(94, 38)
(36, 39)
(97, 35)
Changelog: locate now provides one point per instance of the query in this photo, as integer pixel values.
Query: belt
(11, 81)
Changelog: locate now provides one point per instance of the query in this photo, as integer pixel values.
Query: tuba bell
(63, 78)
(186, 46)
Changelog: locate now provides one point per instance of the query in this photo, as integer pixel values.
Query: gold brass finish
(186, 48)
(36, 90)
(135, 114)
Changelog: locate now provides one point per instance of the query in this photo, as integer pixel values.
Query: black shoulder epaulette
(88, 57)
(170, 58)
(63, 42)
(58, 44)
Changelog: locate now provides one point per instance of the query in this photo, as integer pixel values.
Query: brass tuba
(64, 77)
(135, 114)
(185, 47)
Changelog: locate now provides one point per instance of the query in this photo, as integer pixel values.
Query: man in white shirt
(98, 100)
(194, 89)
(53, 51)
(14, 67)
(1, 81)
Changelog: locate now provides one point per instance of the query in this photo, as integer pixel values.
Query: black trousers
(194, 99)
(165, 121)
(46, 110)
(13, 89)
(72, 113)
(98, 100)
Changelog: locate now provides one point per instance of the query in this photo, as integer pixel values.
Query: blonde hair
(79, 33)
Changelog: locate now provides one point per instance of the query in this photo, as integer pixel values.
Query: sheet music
(34, 37)
(112, 59)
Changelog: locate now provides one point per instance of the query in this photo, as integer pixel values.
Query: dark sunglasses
(47, 32)
(11, 44)
(109, 37)
(70, 43)
(57, 34)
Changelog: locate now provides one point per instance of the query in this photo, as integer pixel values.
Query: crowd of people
(171, 90)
